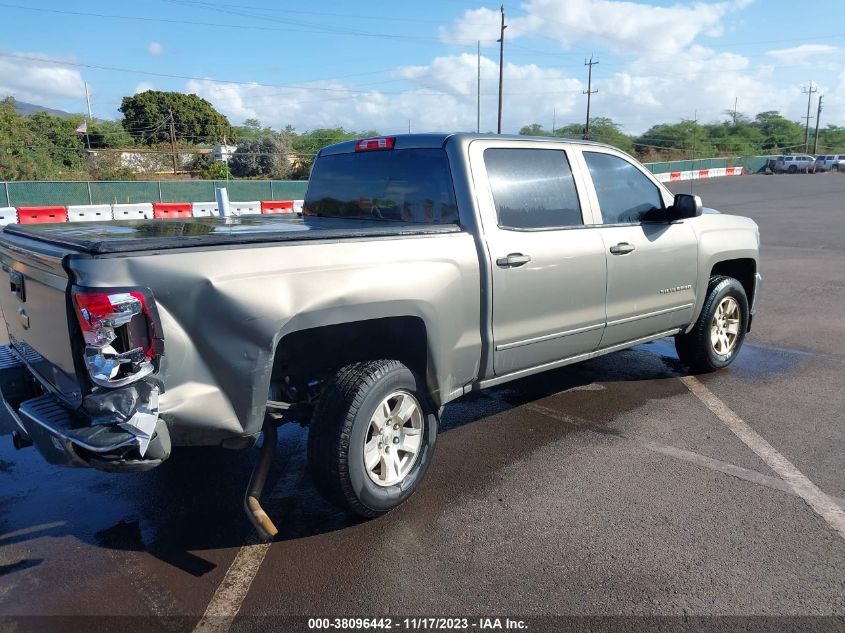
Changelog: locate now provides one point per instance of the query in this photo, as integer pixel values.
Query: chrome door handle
(622, 248)
(513, 260)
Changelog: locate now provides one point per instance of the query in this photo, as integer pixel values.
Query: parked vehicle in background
(839, 166)
(794, 163)
(829, 162)
(423, 267)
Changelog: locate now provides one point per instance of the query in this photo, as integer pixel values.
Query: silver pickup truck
(422, 267)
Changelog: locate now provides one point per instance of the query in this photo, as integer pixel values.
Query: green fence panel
(44, 193)
(289, 189)
(127, 192)
(246, 190)
(187, 191)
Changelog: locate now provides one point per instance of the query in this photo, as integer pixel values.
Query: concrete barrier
(170, 210)
(245, 208)
(297, 206)
(89, 213)
(204, 209)
(8, 215)
(42, 215)
(276, 206)
(138, 211)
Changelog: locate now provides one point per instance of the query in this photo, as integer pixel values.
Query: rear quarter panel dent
(224, 311)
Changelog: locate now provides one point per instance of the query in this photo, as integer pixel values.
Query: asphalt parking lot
(620, 486)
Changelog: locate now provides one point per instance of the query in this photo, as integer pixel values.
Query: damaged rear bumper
(116, 430)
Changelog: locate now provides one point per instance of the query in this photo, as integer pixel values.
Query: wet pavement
(601, 488)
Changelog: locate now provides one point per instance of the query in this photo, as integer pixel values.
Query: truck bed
(126, 236)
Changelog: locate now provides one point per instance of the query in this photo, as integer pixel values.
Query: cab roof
(439, 139)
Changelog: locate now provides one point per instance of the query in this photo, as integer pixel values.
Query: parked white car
(829, 162)
(794, 163)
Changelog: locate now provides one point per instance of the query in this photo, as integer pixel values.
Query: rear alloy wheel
(719, 332)
(371, 437)
(394, 439)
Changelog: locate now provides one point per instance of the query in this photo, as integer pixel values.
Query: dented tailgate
(33, 299)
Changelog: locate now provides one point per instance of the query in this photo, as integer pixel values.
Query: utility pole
(554, 116)
(589, 92)
(90, 118)
(501, 66)
(809, 92)
(88, 101)
(734, 117)
(818, 116)
(478, 91)
(173, 141)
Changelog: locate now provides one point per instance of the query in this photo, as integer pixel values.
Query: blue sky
(381, 65)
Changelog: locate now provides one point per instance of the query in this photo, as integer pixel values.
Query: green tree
(832, 139)
(534, 129)
(146, 116)
(58, 135)
(305, 146)
(268, 156)
(779, 134)
(109, 134)
(250, 130)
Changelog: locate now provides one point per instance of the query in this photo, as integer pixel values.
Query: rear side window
(407, 185)
(625, 194)
(532, 188)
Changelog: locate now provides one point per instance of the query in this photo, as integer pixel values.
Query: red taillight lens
(377, 143)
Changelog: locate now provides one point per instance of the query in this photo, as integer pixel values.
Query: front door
(652, 265)
(548, 267)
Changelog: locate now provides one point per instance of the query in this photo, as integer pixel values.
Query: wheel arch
(311, 353)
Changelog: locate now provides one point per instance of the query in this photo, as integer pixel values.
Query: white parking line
(681, 454)
(821, 503)
(227, 599)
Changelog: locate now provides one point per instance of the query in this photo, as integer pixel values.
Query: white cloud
(695, 81)
(619, 25)
(817, 55)
(38, 82)
(441, 97)
(143, 87)
(154, 48)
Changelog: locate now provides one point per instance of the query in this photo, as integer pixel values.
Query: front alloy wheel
(394, 439)
(724, 327)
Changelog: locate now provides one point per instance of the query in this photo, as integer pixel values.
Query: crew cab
(422, 268)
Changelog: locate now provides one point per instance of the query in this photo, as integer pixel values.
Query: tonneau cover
(143, 235)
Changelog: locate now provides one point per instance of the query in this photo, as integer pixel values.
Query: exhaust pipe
(262, 523)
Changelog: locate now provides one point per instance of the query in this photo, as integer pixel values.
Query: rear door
(33, 301)
(652, 265)
(547, 266)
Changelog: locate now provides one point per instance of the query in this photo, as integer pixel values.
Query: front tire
(718, 334)
(372, 437)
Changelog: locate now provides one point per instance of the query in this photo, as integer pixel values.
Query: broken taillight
(120, 331)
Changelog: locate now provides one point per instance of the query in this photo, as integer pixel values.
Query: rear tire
(792, 169)
(372, 437)
(718, 334)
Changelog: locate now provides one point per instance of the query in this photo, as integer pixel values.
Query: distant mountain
(25, 108)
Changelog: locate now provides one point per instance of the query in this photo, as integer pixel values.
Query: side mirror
(685, 206)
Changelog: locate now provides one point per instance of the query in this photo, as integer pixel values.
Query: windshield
(410, 185)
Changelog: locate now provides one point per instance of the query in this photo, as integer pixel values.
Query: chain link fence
(66, 193)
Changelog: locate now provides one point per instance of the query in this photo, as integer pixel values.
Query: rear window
(408, 185)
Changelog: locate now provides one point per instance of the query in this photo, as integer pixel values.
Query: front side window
(532, 188)
(625, 194)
